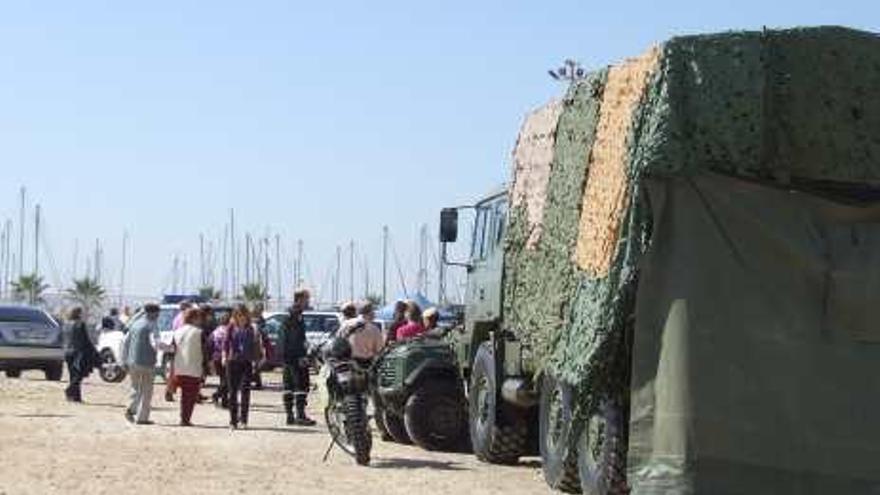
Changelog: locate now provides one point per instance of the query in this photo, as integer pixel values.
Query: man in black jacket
(292, 344)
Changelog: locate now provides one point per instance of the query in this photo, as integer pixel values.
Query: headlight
(343, 377)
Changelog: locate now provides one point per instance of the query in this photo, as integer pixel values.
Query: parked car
(110, 341)
(320, 326)
(30, 339)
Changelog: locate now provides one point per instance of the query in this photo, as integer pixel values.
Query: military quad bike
(419, 395)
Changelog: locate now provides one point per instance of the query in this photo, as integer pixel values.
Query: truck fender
(433, 367)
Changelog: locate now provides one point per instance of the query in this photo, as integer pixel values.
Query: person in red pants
(188, 362)
(171, 384)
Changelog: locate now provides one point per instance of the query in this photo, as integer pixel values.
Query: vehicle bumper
(13, 354)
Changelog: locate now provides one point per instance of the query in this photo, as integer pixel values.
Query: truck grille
(387, 376)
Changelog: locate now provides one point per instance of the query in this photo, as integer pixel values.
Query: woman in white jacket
(189, 359)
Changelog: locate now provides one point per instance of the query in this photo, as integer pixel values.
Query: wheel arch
(432, 369)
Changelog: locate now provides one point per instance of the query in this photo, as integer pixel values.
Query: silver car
(320, 327)
(30, 339)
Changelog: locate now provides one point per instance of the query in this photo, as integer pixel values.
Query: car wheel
(435, 416)
(558, 457)
(53, 372)
(13, 373)
(110, 371)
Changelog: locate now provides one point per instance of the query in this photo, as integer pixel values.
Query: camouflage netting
(539, 281)
(794, 107)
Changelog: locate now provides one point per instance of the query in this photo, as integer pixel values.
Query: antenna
(338, 273)
(202, 280)
(21, 234)
(233, 258)
(122, 273)
(278, 269)
(299, 264)
(384, 265)
(423, 260)
(37, 240)
(351, 270)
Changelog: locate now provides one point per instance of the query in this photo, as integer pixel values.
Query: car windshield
(24, 315)
(321, 323)
(167, 315)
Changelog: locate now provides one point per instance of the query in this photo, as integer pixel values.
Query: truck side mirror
(448, 225)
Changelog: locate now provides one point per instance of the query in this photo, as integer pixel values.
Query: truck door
(487, 255)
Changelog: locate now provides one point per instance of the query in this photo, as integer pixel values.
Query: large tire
(357, 429)
(601, 452)
(396, 427)
(558, 457)
(498, 434)
(435, 415)
(54, 372)
(379, 419)
(110, 371)
(13, 373)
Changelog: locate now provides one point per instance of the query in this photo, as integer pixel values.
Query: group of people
(365, 337)
(233, 348)
(409, 321)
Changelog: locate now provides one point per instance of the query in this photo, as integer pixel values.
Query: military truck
(677, 293)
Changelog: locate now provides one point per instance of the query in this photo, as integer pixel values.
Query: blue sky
(319, 120)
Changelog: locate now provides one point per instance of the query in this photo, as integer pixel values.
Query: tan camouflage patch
(532, 158)
(605, 194)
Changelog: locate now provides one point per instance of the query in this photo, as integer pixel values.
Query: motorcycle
(346, 410)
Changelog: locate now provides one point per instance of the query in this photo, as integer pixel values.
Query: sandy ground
(49, 446)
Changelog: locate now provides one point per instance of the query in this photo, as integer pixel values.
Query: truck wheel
(435, 415)
(601, 456)
(496, 437)
(13, 373)
(558, 457)
(53, 372)
(110, 371)
(396, 427)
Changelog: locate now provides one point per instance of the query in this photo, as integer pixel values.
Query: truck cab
(485, 267)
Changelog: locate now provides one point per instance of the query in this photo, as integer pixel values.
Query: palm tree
(86, 292)
(210, 293)
(29, 288)
(375, 300)
(253, 293)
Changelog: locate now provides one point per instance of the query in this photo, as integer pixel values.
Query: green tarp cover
(756, 362)
(756, 355)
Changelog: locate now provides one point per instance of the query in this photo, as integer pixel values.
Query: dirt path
(49, 446)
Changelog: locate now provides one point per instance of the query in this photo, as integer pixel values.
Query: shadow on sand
(401, 463)
(271, 429)
(104, 404)
(45, 415)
